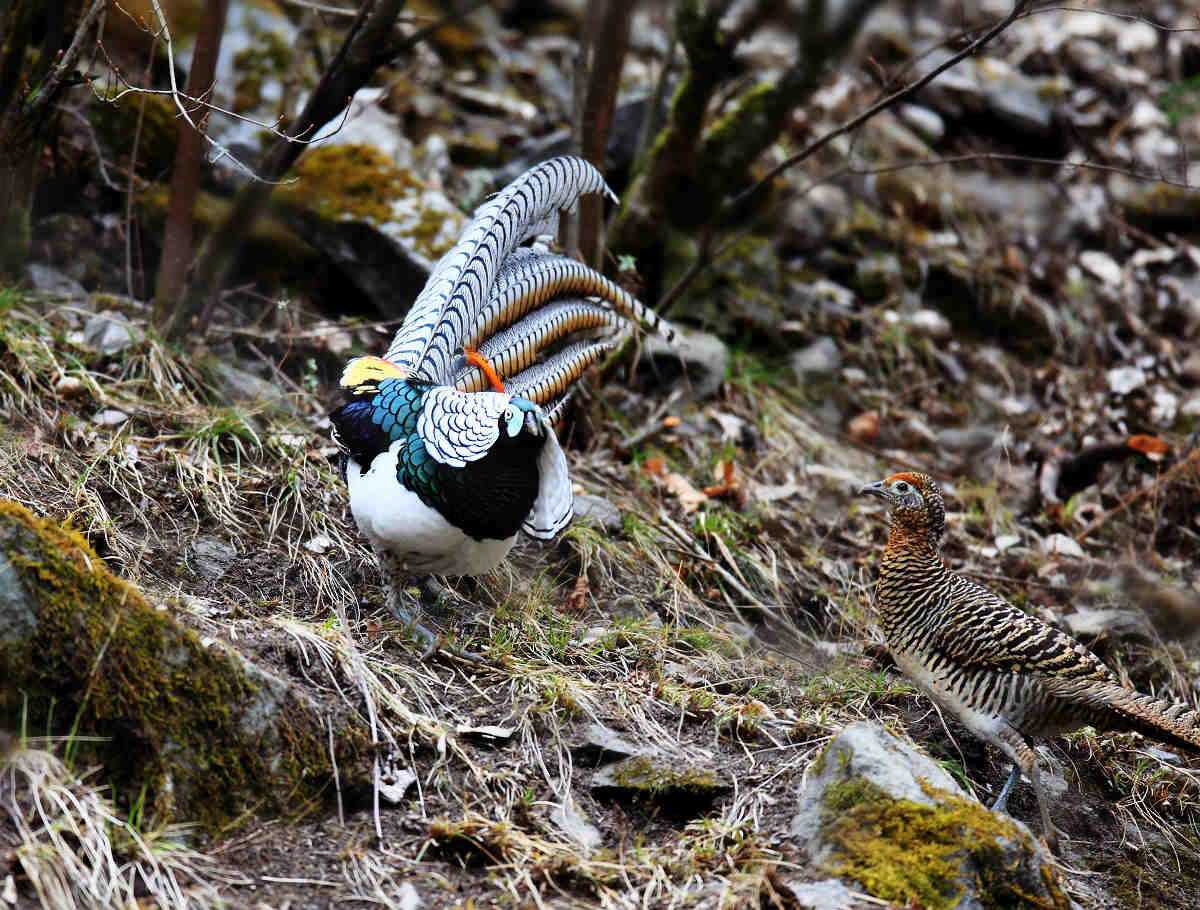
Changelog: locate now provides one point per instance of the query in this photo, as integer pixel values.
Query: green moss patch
(903, 851)
(196, 728)
(339, 181)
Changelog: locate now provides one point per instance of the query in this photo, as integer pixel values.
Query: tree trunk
(185, 176)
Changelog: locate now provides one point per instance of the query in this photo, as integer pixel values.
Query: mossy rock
(653, 779)
(878, 812)
(192, 730)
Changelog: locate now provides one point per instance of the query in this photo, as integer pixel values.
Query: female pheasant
(449, 437)
(1005, 675)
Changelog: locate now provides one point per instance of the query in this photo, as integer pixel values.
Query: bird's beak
(874, 489)
(533, 423)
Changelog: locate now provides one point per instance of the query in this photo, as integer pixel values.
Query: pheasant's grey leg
(407, 614)
(1001, 803)
(443, 606)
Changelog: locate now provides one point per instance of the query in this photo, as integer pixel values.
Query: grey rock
(575, 824)
(50, 280)
(109, 332)
(598, 744)
(829, 894)
(661, 780)
(702, 357)
(211, 557)
(929, 324)
(927, 123)
(110, 417)
(18, 619)
(967, 439)
(243, 387)
(631, 608)
(822, 357)
(867, 778)
(1091, 624)
(407, 897)
(602, 513)
(1123, 380)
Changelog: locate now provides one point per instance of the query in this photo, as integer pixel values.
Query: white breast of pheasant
(393, 518)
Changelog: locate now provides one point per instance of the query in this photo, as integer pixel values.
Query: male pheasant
(1005, 675)
(449, 437)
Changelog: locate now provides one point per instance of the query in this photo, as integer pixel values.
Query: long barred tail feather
(517, 347)
(544, 382)
(531, 277)
(437, 324)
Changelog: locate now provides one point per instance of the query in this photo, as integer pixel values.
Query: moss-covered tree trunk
(691, 166)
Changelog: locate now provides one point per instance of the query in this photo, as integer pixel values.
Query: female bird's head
(916, 502)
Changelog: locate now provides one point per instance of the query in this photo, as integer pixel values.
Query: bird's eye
(509, 414)
(902, 486)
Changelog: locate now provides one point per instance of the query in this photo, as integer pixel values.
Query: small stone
(211, 557)
(1191, 407)
(1006, 541)
(318, 544)
(598, 744)
(660, 780)
(568, 817)
(1164, 407)
(829, 894)
(1123, 380)
(1062, 545)
(702, 356)
(50, 280)
(110, 417)
(70, 387)
(930, 324)
(394, 787)
(929, 124)
(407, 897)
(599, 511)
(820, 357)
(1090, 624)
(109, 333)
(1102, 266)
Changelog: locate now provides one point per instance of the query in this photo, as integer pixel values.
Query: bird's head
(916, 502)
(522, 419)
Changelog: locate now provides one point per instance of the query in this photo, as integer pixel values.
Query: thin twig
(1193, 459)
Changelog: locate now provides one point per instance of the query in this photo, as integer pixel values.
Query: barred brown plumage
(1005, 675)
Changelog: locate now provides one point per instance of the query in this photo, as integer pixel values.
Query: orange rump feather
(474, 358)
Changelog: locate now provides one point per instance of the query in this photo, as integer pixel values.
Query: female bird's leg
(1001, 803)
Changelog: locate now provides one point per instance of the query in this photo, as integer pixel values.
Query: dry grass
(732, 639)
